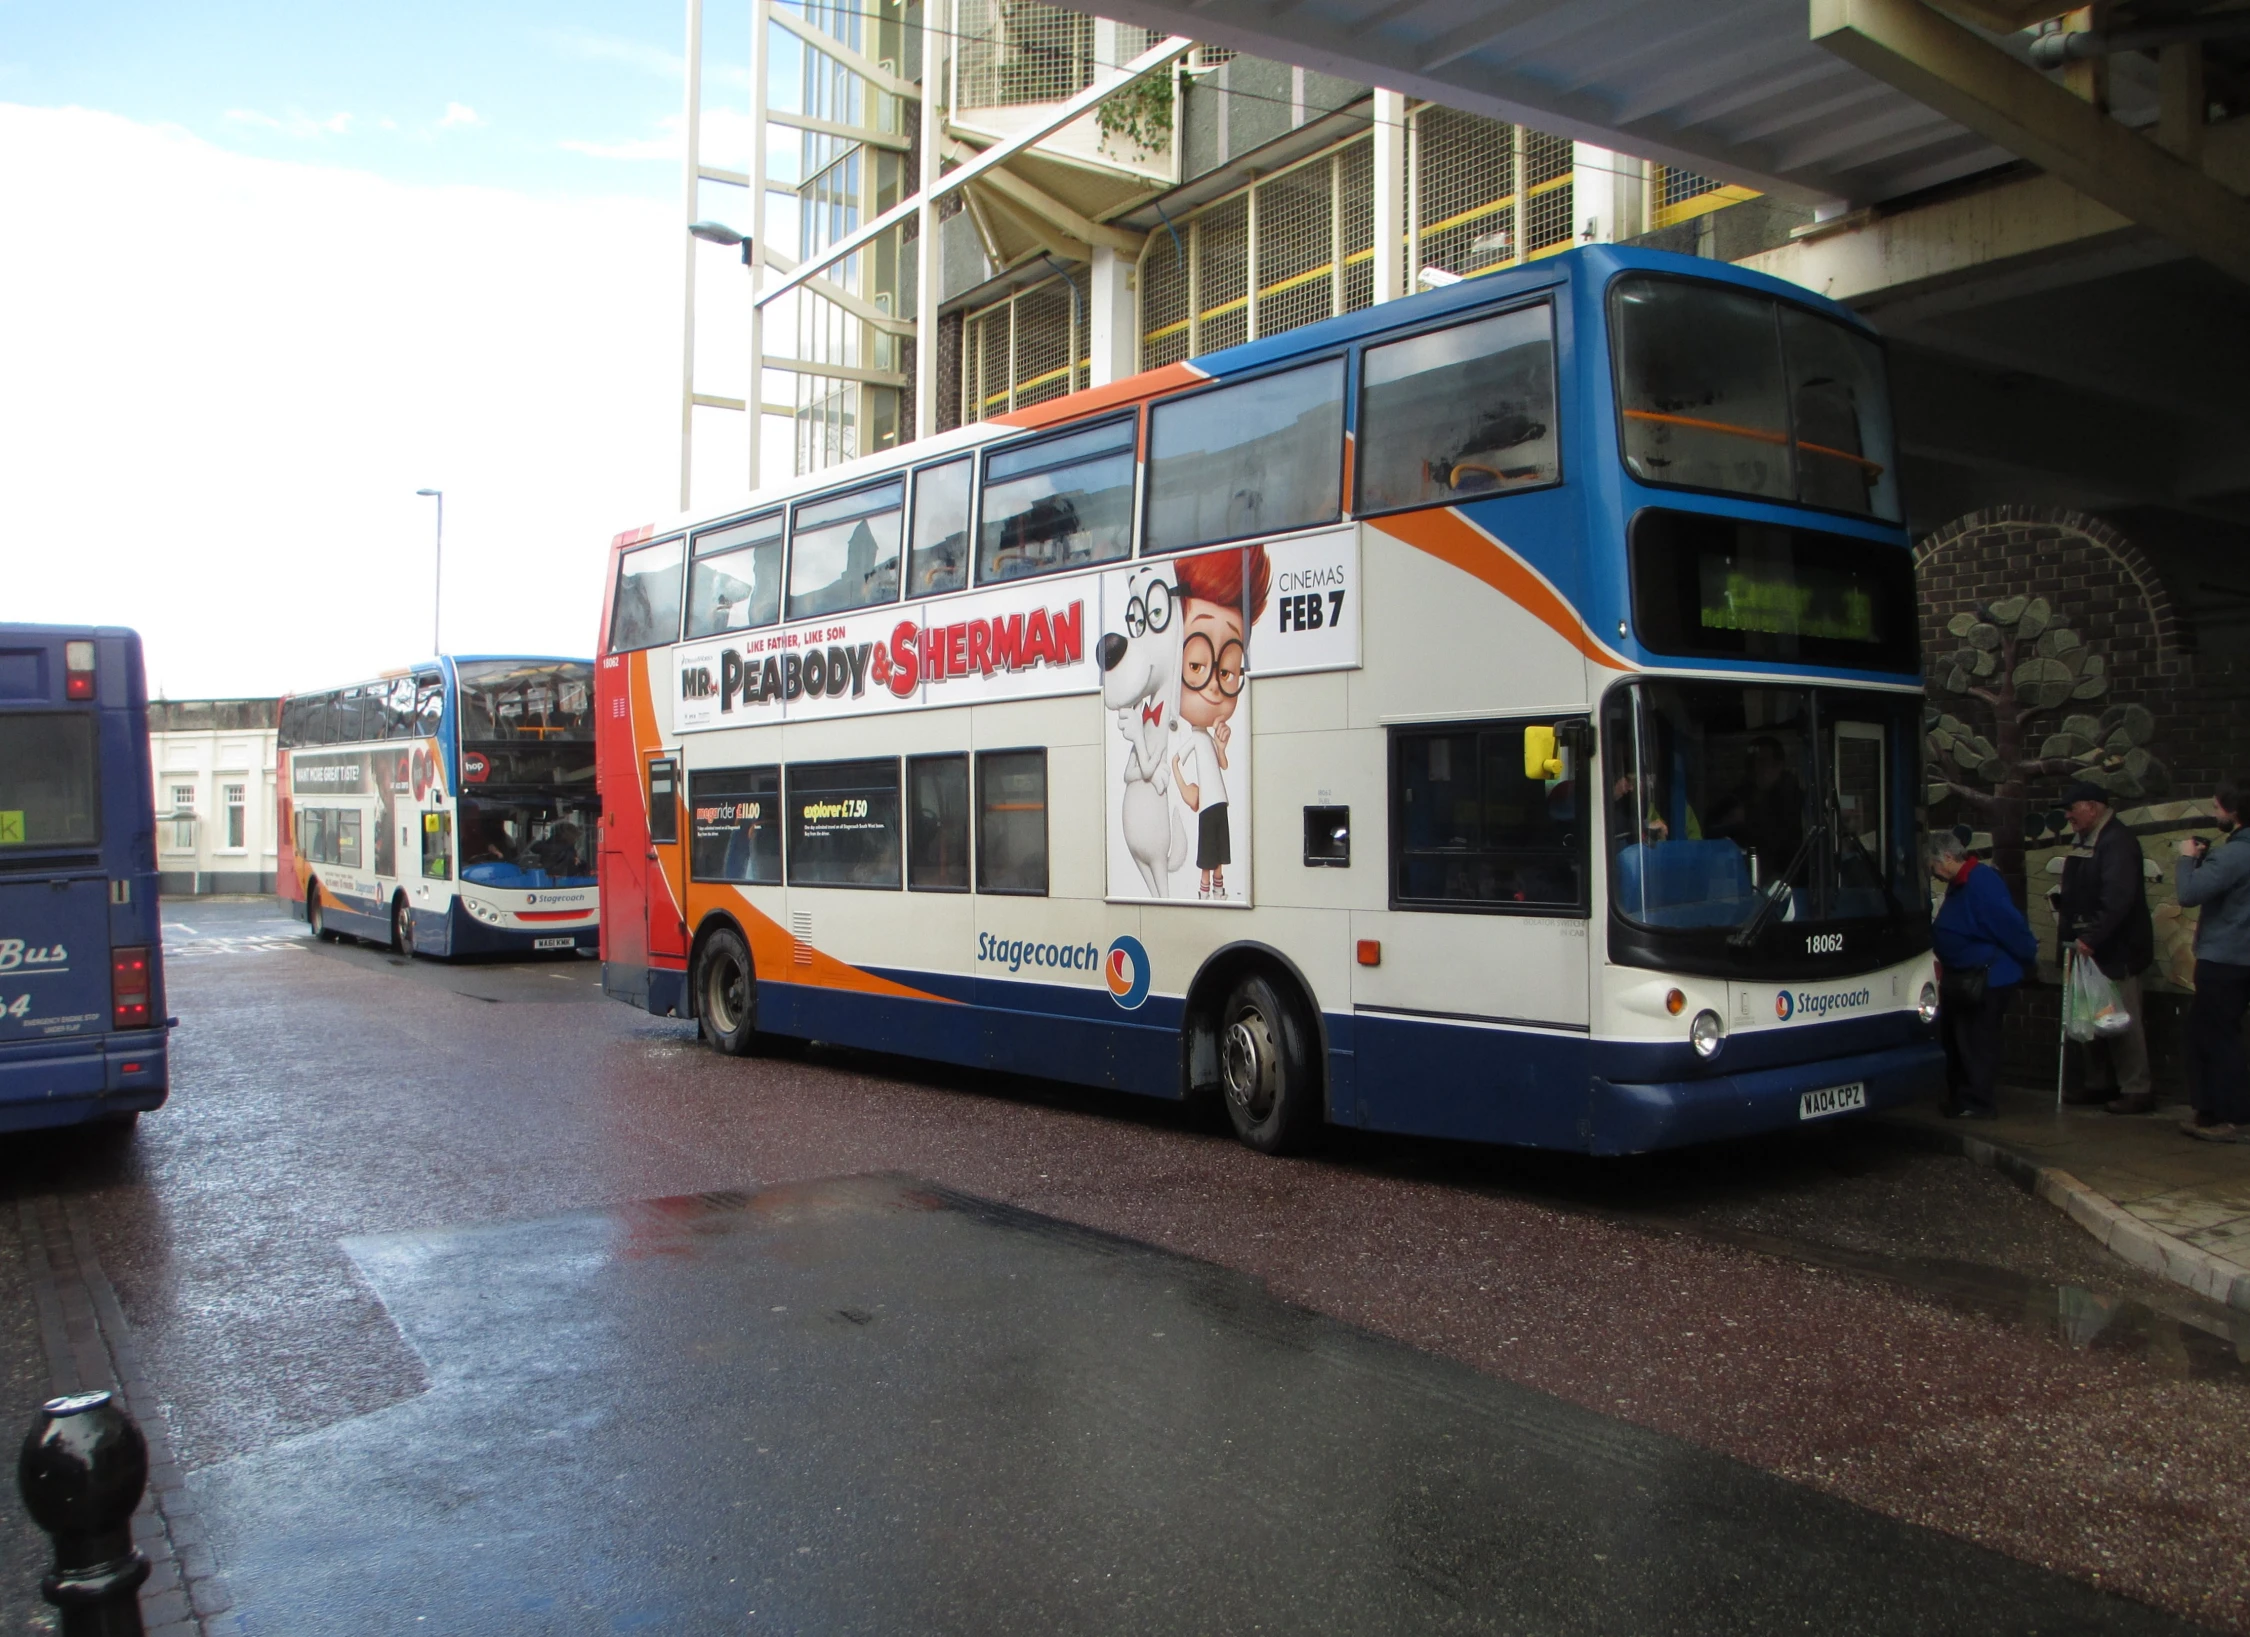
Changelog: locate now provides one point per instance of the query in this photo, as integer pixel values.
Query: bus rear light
(78, 670)
(128, 987)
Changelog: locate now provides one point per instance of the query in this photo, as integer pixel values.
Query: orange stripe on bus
(1451, 538)
(1132, 390)
(773, 951)
(552, 914)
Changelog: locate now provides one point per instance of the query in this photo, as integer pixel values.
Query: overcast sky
(269, 269)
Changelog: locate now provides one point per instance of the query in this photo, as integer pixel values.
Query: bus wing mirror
(1539, 758)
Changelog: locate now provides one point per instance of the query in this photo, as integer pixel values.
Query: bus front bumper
(1637, 1118)
(66, 1083)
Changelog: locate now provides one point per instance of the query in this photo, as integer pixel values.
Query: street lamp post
(437, 586)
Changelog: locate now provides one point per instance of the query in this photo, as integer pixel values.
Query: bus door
(666, 897)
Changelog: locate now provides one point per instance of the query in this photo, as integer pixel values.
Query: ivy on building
(1141, 114)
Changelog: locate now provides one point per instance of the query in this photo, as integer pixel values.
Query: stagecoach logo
(1787, 1006)
(1126, 972)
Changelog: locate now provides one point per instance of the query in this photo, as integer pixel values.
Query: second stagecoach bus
(446, 809)
(1494, 714)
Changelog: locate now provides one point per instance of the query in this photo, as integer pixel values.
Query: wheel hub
(1247, 1059)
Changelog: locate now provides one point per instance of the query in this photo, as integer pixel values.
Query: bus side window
(429, 706)
(734, 817)
(1012, 821)
(937, 852)
(940, 559)
(664, 801)
(646, 613)
(1471, 827)
(1463, 411)
(1256, 457)
(437, 849)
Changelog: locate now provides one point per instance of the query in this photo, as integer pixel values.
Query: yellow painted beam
(1947, 67)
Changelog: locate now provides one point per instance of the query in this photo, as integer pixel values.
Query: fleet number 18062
(1824, 943)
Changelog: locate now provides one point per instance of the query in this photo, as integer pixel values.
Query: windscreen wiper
(1776, 892)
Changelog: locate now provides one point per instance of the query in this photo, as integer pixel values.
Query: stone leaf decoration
(2012, 657)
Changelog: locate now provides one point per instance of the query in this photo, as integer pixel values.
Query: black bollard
(82, 1471)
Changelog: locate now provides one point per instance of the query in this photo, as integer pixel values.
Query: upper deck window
(646, 613)
(1718, 388)
(735, 583)
(1459, 413)
(525, 700)
(1058, 503)
(940, 560)
(844, 553)
(1254, 458)
(47, 791)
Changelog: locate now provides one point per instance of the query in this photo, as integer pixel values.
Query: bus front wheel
(402, 926)
(316, 914)
(725, 993)
(1266, 1069)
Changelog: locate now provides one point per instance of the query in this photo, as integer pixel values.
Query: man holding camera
(2216, 880)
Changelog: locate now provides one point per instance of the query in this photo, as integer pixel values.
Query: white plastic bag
(2092, 1009)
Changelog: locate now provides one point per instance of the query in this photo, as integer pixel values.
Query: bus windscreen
(1727, 390)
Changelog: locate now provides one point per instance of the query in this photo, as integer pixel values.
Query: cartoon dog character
(1141, 682)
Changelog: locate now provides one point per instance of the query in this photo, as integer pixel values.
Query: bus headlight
(482, 911)
(1707, 1034)
(1926, 1007)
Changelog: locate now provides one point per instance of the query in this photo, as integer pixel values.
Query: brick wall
(2103, 587)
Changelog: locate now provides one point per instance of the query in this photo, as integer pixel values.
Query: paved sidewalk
(2164, 1202)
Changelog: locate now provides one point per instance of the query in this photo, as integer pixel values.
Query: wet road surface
(388, 1198)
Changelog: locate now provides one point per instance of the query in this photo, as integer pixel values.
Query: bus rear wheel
(1266, 1069)
(316, 914)
(726, 993)
(402, 926)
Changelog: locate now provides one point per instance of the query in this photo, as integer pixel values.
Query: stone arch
(2015, 531)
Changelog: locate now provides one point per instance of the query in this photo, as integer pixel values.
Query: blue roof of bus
(1600, 262)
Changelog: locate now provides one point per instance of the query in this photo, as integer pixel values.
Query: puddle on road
(2201, 1342)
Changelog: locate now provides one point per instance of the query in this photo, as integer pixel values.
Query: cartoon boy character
(1222, 594)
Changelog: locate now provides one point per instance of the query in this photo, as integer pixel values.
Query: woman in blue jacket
(1985, 948)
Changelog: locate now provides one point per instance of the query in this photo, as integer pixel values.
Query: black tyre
(1268, 1068)
(726, 993)
(316, 913)
(402, 926)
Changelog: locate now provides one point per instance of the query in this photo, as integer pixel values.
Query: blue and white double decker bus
(445, 809)
(1493, 714)
(82, 1024)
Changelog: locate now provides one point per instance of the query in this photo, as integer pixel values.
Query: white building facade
(213, 762)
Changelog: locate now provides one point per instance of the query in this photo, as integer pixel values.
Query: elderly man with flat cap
(2102, 909)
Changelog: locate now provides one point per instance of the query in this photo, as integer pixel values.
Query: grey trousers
(2121, 1060)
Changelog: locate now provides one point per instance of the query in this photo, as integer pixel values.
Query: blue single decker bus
(82, 1024)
